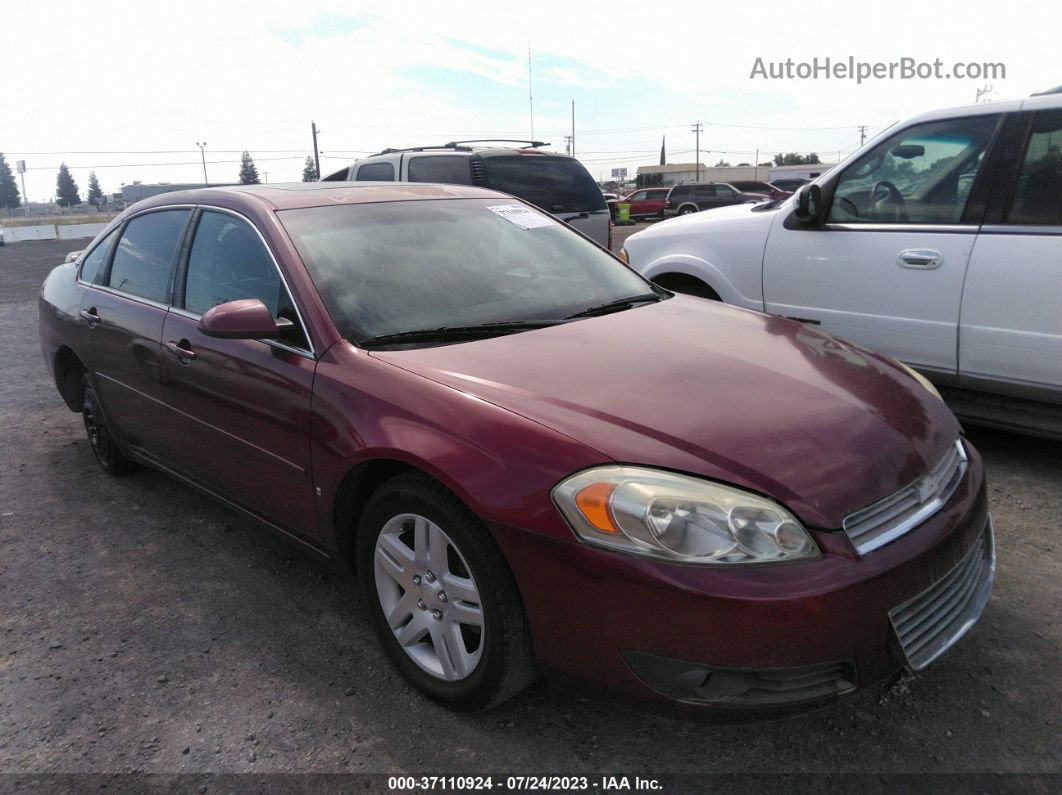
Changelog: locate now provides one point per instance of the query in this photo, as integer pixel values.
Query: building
(137, 191)
(679, 173)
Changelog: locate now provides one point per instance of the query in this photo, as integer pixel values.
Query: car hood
(820, 425)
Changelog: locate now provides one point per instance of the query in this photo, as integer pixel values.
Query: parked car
(791, 185)
(697, 196)
(612, 202)
(938, 244)
(556, 183)
(434, 384)
(770, 190)
(648, 202)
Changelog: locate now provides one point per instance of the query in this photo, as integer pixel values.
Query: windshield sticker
(520, 216)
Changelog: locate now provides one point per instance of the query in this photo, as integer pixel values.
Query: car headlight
(917, 376)
(677, 518)
(624, 256)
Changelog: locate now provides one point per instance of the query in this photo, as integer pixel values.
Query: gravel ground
(146, 628)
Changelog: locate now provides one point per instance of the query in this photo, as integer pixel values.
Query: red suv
(536, 460)
(648, 202)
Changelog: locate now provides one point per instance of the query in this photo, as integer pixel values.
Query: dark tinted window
(228, 263)
(725, 191)
(682, 190)
(752, 187)
(704, 191)
(144, 257)
(1038, 199)
(339, 176)
(90, 265)
(401, 266)
(450, 169)
(376, 172)
(556, 184)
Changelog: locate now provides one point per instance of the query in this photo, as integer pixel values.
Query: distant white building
(680, 173)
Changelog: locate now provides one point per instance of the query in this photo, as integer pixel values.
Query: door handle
(91, 316)
(920, 258)
(181, 352)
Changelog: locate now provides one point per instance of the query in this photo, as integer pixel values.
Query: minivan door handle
(181, 350)
(920, 258)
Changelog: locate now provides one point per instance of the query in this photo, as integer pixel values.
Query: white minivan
(939, 242)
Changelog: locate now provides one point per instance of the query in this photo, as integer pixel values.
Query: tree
(722, 164)
(309, 171)
(65, 188)
(794, 159)
(9, 197)
(95, 193)
(248, 170)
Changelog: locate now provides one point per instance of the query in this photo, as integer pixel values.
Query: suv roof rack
(1055, 90)
(459, 146)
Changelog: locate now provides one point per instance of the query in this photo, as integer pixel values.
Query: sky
(128, 89)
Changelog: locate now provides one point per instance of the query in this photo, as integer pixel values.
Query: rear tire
(686, 210)
(104, 448)
(441, 597)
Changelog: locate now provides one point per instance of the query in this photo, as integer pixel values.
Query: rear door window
(449, 169)
(143, 261)
(376, 172)
(555, 184)
(1038, 198)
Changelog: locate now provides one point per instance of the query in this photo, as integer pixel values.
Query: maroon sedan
(535, 459)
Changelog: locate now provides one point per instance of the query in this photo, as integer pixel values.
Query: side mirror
(248, 319)
(809, 204)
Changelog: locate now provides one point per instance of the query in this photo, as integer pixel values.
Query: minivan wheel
(441, 597)
(109, 457)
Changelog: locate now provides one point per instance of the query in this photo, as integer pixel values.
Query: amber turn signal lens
(623, 256)
(592, 502)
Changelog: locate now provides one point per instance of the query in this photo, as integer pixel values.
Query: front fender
(707, 272)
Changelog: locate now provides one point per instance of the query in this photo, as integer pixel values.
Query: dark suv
(685, 199)
(556, 183)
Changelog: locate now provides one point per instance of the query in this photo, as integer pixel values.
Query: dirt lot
(143, 627)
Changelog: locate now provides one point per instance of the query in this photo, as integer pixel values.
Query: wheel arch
(69, 371)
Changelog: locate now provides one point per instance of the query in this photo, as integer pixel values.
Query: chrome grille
(888, 519)
(933, 621)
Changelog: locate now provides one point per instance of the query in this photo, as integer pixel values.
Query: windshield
(395, 267)
(558, 185)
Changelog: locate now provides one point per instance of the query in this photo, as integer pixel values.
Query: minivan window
(556, 184)
(90, 265)
(144, 258)
(449, 169)
(376, 172)
(1038, 198)
(395, 267)
(921, 175)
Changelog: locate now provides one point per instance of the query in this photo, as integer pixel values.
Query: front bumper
(805, 632)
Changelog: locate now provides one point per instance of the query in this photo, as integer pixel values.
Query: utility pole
(573, 128)
(316, 154)
(568, 145)
(697, 130)
(21, 166)
(530, 98)
(266, 175)
(862, 134)
(202, 154)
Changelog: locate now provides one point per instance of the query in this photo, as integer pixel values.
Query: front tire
(441, 597)
(107, 454)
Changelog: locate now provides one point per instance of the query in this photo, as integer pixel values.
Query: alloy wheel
(429, 597)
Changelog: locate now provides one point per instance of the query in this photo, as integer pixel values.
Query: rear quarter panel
(57, 309)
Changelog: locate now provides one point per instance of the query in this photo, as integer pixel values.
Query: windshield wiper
(615, 306)
(450, 333)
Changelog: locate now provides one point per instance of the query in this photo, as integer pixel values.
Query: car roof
(298, 195)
